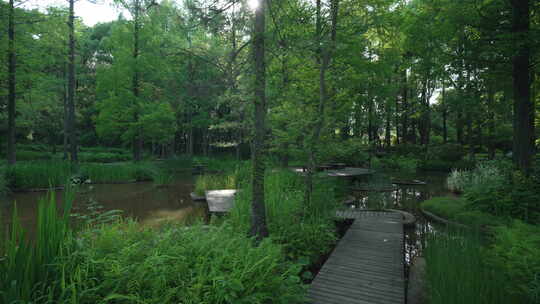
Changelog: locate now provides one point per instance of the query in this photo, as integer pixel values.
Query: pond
(405, 197)
(143, 201)
(153, 205)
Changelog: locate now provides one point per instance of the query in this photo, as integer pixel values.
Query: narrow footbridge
(367, 266)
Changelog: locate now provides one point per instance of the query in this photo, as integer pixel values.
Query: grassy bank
(457, 271)
(44, 174)
(460, 211)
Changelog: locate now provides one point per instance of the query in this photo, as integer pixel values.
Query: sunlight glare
(253, 4)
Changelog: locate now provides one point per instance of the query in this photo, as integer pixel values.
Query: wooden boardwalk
(367, 266)
(220, 200)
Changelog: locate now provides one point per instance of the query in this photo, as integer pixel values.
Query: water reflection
(405, 197)
(142, 201)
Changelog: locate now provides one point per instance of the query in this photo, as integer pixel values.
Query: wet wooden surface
(367, 266)
(220, 200)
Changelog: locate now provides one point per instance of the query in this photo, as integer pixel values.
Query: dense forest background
(176, 77)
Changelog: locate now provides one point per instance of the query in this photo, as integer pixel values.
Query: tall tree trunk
(387, 134)
(11, 62)
(491, 122)
(137, 139)
(258, 210)
(459, 126)
(71, 86)
(523, 146)
(64, 101)
(324, 56)
(404, 108)
(444, 115)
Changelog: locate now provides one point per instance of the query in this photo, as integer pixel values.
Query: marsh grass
(38, 174)
(457, 272)
(28, 266)
(215, 182)
(305, 230)
(102, 173)
(161, 176)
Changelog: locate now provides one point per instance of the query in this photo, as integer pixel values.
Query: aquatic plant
(457, 272)
(28, 267)
(306, 231)
(160, 176)
(38, 174)
(215, 182)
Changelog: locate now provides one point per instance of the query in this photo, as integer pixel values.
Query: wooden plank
(367, 265)
(220, 200)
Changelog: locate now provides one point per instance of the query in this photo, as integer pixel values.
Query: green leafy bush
(351, 151)
(410, 150)
(125, 263)
(457, 272)
(441, 165)
(449, 152)
(104, 150)
(496, 189)
(402, 163)
(516, 250)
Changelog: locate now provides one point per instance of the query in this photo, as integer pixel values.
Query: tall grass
(215, 182)
(457, 272)
(306, 231)
(38, 174)
(28, 267)
(102, 173)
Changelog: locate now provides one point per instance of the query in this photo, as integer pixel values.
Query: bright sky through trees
(90, 13)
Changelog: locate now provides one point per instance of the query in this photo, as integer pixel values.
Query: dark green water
(408, 198)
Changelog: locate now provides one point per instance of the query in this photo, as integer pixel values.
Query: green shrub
(441, 165)
(448, 152)
(410, 150)
(103, 157)
(457, 273)
(104, 150)
(215, 182)
(306, 231)
(402, 163)
(22, 155)
(498, 190)
(516, 250)
(351, 151)
(125, 263)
